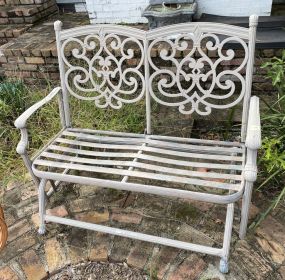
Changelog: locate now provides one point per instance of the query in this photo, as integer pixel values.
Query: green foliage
(12, 100)
(272, 163)
(276, 71)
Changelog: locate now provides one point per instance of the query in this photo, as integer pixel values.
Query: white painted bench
(94, 63)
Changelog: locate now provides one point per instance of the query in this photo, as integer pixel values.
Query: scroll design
(181, 84)
(98, 69)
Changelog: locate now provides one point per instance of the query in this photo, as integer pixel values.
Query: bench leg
(42, 227)
(224, 267)
(245, 209)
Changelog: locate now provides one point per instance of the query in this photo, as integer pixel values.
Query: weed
(272, 163)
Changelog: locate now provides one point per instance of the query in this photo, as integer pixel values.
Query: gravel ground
(102, 271)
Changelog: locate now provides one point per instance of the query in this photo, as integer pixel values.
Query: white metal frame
(95, 38)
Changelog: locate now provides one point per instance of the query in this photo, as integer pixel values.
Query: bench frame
(250, 136)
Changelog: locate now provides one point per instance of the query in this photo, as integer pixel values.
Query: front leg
(250, 174)
(42, 209)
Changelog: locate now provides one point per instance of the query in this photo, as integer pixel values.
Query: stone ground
(30, 256)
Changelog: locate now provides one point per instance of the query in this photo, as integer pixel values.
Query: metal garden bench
(94, 65)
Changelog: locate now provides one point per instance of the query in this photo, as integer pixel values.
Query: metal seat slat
(140, 165)
(145, 175)
(160, 159)
(154, 143)
(149, 149)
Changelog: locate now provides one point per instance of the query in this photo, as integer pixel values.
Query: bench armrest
(21, 121)
(253, 135)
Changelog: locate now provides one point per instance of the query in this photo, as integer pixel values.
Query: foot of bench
(224, 266)
(42, 230)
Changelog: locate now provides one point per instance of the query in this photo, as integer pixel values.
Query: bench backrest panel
(190, 66)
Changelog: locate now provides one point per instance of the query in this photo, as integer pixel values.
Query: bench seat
(174, 166)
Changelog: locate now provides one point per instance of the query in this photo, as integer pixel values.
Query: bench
(186, 67)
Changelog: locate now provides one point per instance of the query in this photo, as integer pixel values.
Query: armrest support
(253, 140)
(253, 135)
(21, 121)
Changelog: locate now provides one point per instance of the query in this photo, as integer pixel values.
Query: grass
(15, 98)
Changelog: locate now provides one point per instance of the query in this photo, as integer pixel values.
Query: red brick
(94, 216)
(34, 60)
(18, 230)
(54, 254)
(164, 258)
(139, 254)
(99, 248)
(59, 211)
(6, 273)
(190, 269)
(32, 266)
(28, 67)
(129, 218)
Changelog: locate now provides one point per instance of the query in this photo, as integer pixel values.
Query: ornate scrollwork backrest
(104, 64)
(174, 65)
(195, 69)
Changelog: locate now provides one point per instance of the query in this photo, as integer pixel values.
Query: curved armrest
(21, 121)
(253, 135)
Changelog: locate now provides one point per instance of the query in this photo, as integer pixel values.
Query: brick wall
(116, 11)
(41, 65)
